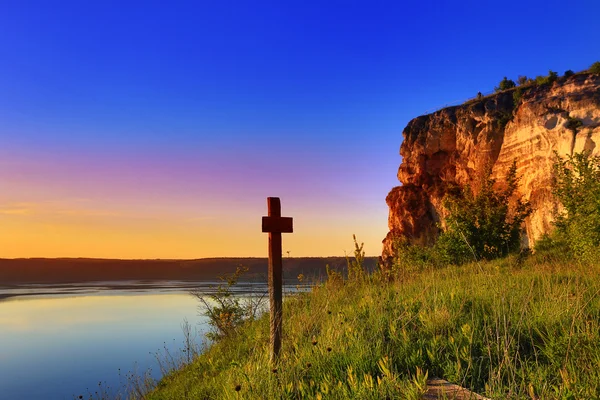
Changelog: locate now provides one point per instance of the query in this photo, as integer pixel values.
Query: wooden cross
(275, 225)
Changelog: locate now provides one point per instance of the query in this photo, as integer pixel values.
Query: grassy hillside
(508, 328)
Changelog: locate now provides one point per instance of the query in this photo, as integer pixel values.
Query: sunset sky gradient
(158, 130)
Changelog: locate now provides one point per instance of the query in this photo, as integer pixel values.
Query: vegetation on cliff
(524, 81)
(577, 186)
(488, 224)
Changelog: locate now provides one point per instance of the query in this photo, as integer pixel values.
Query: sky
(158, 129)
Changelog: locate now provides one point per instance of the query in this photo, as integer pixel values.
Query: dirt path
(441, 389)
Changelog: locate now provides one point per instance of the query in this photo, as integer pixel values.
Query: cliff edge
(453, 146)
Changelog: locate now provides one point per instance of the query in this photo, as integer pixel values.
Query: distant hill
(69, 270)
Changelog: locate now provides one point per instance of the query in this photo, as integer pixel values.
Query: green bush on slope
(577, 187)
(485, 225)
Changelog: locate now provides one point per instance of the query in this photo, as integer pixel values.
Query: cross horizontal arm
(277, 224)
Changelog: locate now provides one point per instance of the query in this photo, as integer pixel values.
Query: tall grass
(506, 330)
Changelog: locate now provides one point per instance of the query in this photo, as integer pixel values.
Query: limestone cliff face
(455, 144)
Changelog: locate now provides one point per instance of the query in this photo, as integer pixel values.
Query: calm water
(60, 342)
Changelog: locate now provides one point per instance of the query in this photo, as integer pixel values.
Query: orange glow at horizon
(47, 230)
(111, 206)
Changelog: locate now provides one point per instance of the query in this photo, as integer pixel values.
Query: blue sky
(171, 93)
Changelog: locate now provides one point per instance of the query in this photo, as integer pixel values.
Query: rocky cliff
(455, 144)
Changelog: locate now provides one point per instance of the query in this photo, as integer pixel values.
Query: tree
(522, 80)
(505, 84)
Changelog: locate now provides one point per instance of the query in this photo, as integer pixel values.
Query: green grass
(504, 329)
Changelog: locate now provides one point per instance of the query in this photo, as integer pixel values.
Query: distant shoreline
(142, 287)
(20, 271)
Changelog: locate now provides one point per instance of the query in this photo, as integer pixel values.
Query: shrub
(489, 222)
(577, 187)
(505, 84)
(569, 73)
(452, 248)
(517, 96)
(522, 80)
(541, 80)
(411, 257)
(504, 118)
(573, 124)
(226, 311)
(595, 68)
(545, 80)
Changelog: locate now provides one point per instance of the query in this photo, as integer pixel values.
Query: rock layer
(454, 145)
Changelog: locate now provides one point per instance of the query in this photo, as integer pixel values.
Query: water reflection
(59, 342)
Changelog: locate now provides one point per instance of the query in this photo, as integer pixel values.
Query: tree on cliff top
(484, 225)
(595, 68)
(505, 84)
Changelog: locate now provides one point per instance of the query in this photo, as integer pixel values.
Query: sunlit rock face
(454, 145)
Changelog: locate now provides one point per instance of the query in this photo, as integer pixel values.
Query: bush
(226, 311)
(569, 73)
(595, 68)
(573, 124)
(505, 84)
(483, 225)
(452, 248)
(545, 80)
(577, 187)
(522, 80)
(411, 257)
(517, 96)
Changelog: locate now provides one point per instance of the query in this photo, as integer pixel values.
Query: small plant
(573, 124)
(595, 68)
(569, 73)
(226, 311)
(356, 269)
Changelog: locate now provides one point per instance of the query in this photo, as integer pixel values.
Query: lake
(61, 341)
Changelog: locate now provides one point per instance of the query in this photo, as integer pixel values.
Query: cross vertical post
(275, 225)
